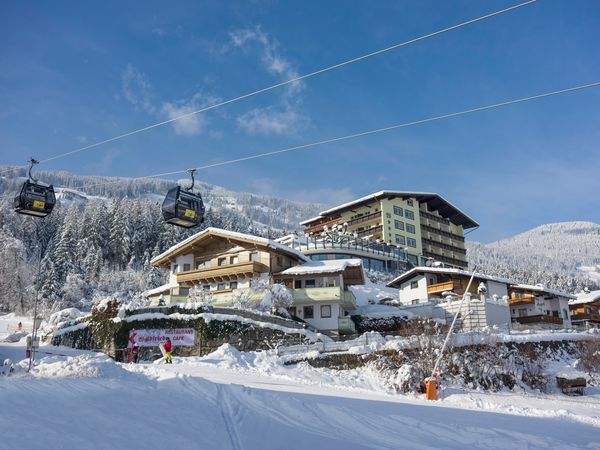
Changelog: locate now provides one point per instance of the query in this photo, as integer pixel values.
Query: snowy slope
(560, 255)
(232, 400)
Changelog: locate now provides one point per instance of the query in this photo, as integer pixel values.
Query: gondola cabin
(183, 208)
(35, 199)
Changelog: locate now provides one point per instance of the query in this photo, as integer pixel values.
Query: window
(254, 256)
(399, 224)
(206, 287)
(184, 291)
(414, 284)
(325, 311)
(233, 285)
(278, 260)
(220, 286)
(398, 211)
(409, 202)
(186, 267)
(222, 261)
(309, 312)
(233, 260)
(410, 228)
(400, 240)
(414, 302)
(411, 242)
(203, 265)
(310, 283)
(175, 268)
(409, 214)
(388, 215)
(297, 284)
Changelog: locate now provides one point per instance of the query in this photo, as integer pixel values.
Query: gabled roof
(586, 297)
(423, 270)
(542, 289)
(435, 202)
(184, 245)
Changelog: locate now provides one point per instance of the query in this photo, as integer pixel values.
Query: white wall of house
(476, 314)
(318, 321)
(408, 293)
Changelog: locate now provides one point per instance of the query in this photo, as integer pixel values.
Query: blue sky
(77, 72)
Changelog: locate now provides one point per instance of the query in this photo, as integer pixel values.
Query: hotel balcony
(248, 269)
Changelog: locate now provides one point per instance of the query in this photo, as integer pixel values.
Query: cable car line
(290, 81)
(361, 134)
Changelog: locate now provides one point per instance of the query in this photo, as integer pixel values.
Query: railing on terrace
(348, 243)
(539, 319)
(440, 287)
(590, 317)
(367, 218)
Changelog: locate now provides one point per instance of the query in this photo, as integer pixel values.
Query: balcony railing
(440, 287)
(318, 228)
(309, 295)
(369, 231)
(452, 248)
(454, 236)
(588, 317)
(223, 273)
(539, 319)
(367, 218)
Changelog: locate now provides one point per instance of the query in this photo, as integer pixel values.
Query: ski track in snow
(241, 401)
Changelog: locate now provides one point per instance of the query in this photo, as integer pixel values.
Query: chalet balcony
(524, 299)
(440, 287)
(585, 317)
(219, 274)
(541, 318)
(310, 295)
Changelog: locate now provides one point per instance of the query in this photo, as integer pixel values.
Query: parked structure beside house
(539, 307)
(585, 309)
(437, 288)
(222, 264)
(420, 225)
(320, 292)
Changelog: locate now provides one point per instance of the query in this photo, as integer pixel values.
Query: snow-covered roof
(322, 267)
(420, 270)
(230, 235)
(540, 288)
(373, 292)
(160, 289)
(437, 202)
(585, 297)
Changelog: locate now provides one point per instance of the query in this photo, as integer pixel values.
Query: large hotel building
(389, 228)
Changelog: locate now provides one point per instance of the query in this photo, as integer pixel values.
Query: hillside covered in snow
(563, 256)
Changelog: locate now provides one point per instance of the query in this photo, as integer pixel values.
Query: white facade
(414, 291)
(476, 314)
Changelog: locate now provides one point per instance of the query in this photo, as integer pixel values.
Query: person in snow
(131, 345)
(168, 348)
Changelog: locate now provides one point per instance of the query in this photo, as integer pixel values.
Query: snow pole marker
(439, 359)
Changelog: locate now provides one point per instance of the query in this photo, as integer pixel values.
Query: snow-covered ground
(233, 400)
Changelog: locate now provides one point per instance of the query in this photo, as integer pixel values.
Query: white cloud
(192, 124)
(271, 120)
(137, 89)
(270, 56)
